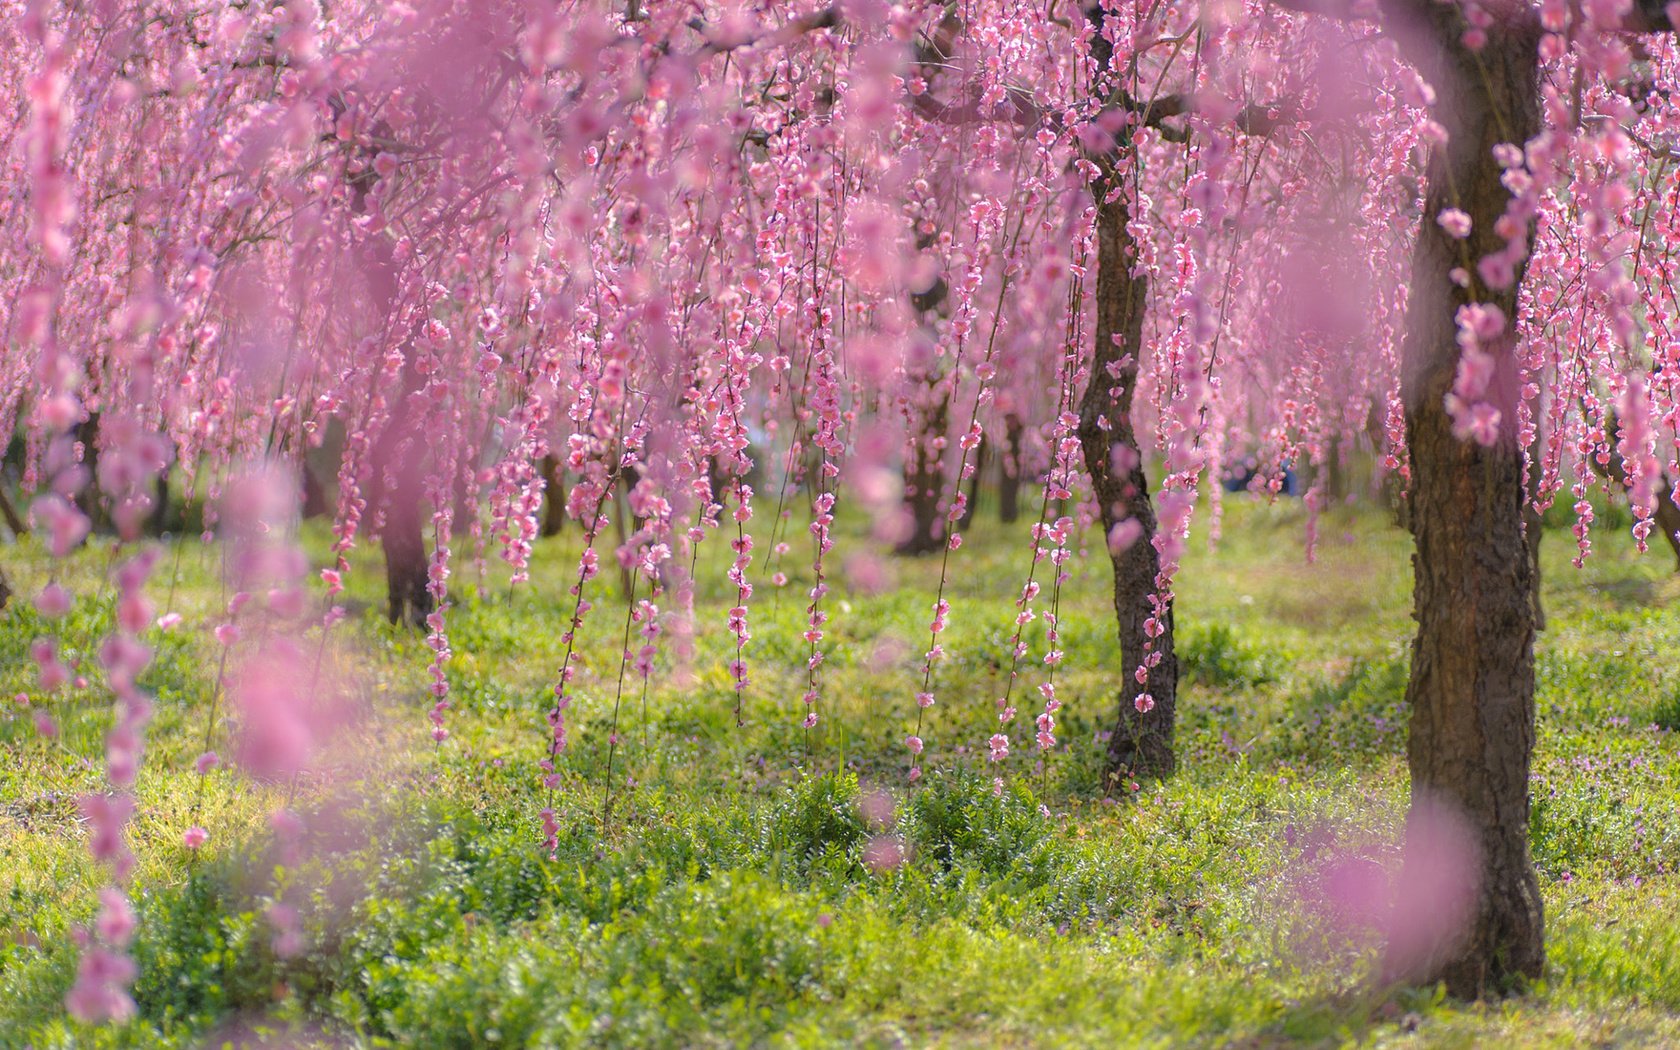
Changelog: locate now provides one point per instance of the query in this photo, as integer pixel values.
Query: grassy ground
(743, 890)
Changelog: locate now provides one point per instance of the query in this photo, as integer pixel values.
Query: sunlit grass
(732, 896)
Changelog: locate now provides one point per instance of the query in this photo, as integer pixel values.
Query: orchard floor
(743, 892)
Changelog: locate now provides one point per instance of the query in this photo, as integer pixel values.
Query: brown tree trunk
(1142, 743)
(1471, 691)
(924, 482)
(87, 497)
(9, 513)
(408, 600)
(1667, 518)
(554, 498)
(314, 493)
(1009, 481)
(1335, 470)
(159, 521)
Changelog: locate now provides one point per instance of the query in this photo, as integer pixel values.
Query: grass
(773, 886)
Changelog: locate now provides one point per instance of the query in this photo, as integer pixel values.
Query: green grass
(770, 886)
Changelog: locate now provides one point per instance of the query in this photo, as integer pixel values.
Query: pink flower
(1000, 747)
(1125, 533)
(194, 837)
(106, 815)
(116, 919)
(101, 989)
(53, 601)
(1455, 221)
(288, 932)
(914, 743)
(883, 853)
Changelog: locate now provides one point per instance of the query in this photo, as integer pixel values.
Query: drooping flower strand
(1072, 355)
(988, 222)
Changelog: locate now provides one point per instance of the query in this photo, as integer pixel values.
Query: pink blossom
(53, 601)
(1455, 221)
(999, 744)
(100, 993)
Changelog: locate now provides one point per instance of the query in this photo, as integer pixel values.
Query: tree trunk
(554, 498)
(1667, 518)
(1471, 691)
(924, 481)
(1142, 743)
(158, 522)
(9, 513)
(1009, 481)
(87, 497)
(408, 600)
(314, 493)
(1336, 470)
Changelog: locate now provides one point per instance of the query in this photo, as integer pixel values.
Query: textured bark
(1142, 743)
(1009, 482)
(1471, 691)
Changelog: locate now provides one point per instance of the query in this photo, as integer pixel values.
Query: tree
(1466, 387)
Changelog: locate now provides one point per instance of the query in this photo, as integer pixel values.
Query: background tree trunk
(1471, 691)
(554, 498)
(9, 514)
(924, 482)
(1142, 743)
(1009, 479)
(408, 600)
(1665, 517)
(87, 497)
